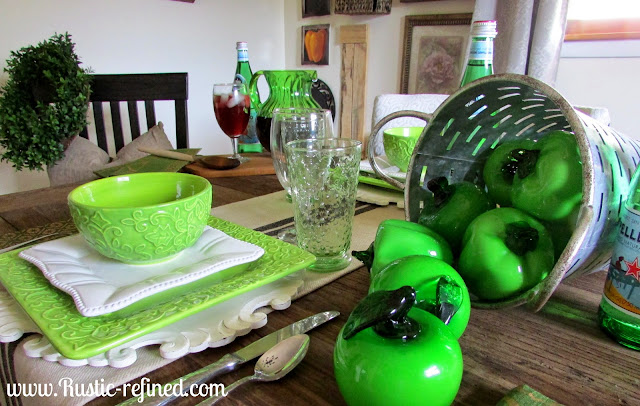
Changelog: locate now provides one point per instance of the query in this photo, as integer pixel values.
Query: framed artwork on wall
(314, 8)
(315, 44)
(435, 48)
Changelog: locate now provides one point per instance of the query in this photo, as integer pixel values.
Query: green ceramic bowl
(142, 218)
(399, 143)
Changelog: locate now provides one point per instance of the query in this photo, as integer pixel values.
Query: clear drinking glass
(231, 103)
(289, 124)
(324, 182)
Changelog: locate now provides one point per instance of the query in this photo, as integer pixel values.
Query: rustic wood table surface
(559, 351)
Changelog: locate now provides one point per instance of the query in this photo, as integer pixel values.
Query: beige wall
(604, 82)
(161, 36)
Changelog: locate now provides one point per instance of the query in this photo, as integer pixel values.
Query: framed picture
(315, 44)
(435, 49)
(314, 8)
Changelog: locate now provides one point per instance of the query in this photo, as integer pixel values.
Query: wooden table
(559, 351)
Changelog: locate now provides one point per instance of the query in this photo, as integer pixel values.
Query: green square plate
(79, 337)
(374, 181)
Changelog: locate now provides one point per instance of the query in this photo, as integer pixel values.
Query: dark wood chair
(131, 88)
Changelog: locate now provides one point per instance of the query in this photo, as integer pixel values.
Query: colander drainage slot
(480, 110)
(525, 118)
(525, 129)
(533, 106)
(546, 127)
(423, 175)
(470, 102)
(475, 130)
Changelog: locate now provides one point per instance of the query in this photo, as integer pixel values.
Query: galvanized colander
(467, 126)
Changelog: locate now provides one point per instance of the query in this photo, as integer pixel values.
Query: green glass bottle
(619, 313)
(480, 61)
(248, 141)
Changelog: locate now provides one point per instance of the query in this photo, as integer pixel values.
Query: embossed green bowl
(399, 143)
(142, 218)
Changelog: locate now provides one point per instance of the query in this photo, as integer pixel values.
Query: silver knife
(13, 247)
(229, 362)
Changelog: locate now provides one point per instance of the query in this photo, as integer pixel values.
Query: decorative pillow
(154, 138)
(81, 158)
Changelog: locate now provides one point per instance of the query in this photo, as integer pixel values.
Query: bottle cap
(241, 45)
(484, 29)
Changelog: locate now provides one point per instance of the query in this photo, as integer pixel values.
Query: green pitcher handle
(253, 91)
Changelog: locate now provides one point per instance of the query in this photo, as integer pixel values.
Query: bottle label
(481, 50)
(243, 55)
(622, 287)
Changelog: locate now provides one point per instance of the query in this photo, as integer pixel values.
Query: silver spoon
(272, 365)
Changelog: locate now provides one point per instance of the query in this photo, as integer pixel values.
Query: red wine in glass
(231, 105)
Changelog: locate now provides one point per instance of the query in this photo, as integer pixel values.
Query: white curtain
(530, 35)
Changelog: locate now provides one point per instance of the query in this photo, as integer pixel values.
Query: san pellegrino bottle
(619, 313)
(248, 141)
(480, 61)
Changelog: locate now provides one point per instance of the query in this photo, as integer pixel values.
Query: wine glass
(290, 124)
(231, 104)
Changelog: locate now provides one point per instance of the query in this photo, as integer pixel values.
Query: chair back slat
(150, 111)
(116, 122)
(134, 121)
(98, 119)
(132, 88)
(182, 126)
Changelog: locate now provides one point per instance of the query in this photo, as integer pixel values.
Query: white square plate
(100, 285)
(382, 161)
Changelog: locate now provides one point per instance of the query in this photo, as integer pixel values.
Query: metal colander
(467, 126)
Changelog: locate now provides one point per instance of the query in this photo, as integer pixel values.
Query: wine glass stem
(234, 143)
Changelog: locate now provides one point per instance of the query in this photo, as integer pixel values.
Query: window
(603, 20)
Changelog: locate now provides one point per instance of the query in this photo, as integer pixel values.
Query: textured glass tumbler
(295, 124)
(323, 180)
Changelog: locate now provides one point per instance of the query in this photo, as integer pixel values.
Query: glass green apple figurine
(400, 238)
(392, 353)
(426, 275)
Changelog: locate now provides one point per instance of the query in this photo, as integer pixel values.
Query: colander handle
(375, 134)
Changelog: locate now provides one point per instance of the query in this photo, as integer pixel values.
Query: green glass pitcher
(287, 88)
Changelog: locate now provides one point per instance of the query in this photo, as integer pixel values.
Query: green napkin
(150, 163)
(524, 395)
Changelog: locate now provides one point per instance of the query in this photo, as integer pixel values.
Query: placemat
(150, 163)
(524, 395)
(268, 214)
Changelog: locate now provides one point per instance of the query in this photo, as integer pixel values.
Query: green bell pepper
(498, 170)
(398, 238)
(505, 252)
(451, 208)
(546, 179)
(423, 274)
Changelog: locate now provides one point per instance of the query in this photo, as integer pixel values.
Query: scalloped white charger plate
(101, 285)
